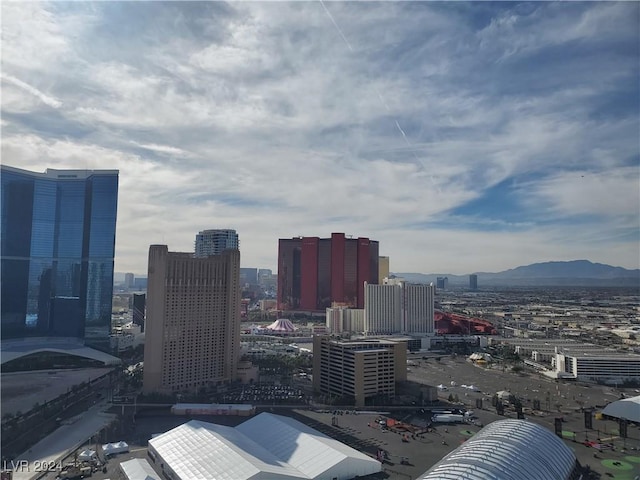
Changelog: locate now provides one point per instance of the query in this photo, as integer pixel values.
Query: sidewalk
(56, 446)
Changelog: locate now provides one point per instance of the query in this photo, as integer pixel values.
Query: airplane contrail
(336, 25)
(382, 100)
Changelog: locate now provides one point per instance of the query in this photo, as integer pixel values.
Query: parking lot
(264, 394)
(527, 386)
(364, 433)
(557, 399)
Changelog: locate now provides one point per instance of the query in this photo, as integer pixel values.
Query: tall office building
(399, 307)
(129, 280)
(58, 243)
(193, 320)
(138, 302)
(442, 283)
(214, 242)
(473, 282)
(314, 273)
(249, 275)
(383, 269)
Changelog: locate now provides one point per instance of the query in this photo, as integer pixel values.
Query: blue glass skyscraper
(58, 244)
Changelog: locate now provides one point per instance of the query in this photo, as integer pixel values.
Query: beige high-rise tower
(383, 269)
(192, 334)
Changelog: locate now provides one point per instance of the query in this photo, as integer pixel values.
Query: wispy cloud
(167, 149)
(463, 136)
(46, 99)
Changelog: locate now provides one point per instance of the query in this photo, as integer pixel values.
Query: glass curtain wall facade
(214, 242)
(58, 244)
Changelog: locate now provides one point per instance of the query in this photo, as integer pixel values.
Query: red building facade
(315, 272)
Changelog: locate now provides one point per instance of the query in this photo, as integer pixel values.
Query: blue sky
(463, 136)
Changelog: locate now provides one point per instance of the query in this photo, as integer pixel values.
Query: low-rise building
(608, 367)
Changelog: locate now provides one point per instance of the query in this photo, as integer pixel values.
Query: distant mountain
(572, 269)
(571, 273)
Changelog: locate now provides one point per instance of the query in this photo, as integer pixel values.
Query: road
(55, 447)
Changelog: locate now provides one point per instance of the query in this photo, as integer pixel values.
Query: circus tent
(282, 325)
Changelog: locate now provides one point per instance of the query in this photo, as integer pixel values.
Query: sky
(464, 137)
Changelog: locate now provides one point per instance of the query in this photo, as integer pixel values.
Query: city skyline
(464, 137)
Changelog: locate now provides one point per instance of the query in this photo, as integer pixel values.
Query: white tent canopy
(139, 469)
(113, 448)
(504, 394)
(87, 455)
(628, 408)
(480, 356)
(314, 454)
(266, 447)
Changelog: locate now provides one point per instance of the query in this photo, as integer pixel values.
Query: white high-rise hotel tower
(398, 307)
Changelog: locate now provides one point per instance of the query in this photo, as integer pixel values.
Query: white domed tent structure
(627, 408)
(281, 325)
(480, 357)
(508, 450)
(266, 447)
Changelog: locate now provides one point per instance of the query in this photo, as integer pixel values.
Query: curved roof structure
(17, 348)
(507, 450)
(282, 325)
(628, 408)
(269, 447)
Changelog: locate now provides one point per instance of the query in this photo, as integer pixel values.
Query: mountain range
(571, 273)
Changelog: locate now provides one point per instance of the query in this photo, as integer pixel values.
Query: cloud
(165, 149)
(46, 99)
(457, 134)
(611, 195)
